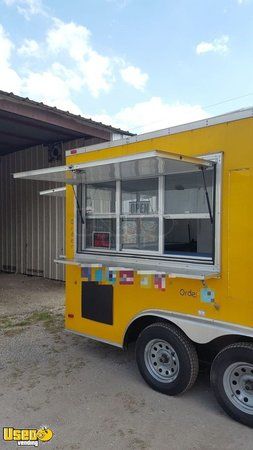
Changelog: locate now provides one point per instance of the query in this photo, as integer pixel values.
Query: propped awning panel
(60, 174)
(140, 165)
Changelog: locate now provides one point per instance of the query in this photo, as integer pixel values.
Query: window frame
(94, 216)
(180, 260)
(140, 216)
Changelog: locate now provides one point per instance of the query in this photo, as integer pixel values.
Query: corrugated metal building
(33, 136)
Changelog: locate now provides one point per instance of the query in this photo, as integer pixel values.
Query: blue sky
(141, 65)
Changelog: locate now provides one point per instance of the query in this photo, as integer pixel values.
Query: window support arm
(207, 195)
(78, 206)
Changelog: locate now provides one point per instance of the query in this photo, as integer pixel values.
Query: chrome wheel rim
(161, 360)
(238, 385)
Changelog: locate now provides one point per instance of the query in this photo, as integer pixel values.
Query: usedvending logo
(27, 437)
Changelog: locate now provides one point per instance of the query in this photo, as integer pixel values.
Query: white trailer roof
(146, 164)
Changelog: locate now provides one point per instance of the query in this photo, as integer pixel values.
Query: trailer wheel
(232, 381)
(167, 359)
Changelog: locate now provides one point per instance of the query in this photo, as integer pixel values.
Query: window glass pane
(101, 233)
(188, 236)
(139, 196)
(100, 198)
(185, 193)
(141, 234)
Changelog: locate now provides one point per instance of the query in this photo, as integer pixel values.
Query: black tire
(179, 351)
(229, 381)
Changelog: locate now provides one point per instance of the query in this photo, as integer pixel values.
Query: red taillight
(71, 316)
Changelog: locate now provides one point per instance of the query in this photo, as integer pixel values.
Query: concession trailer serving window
(151, 207)
(149, 211)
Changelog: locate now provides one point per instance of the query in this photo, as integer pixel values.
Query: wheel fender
(199, 329)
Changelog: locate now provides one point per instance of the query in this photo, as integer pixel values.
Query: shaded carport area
(25, 123)
(33, 136)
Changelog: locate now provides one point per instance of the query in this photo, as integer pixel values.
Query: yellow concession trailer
(159, 247)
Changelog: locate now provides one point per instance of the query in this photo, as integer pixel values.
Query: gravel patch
(91, 394)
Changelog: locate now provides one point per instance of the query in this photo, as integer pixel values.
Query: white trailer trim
(56, 192)
(199, 329)
(94, 338)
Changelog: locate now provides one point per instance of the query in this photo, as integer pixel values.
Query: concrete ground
(91, 394)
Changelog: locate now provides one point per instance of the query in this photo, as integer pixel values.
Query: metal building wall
(31, 226)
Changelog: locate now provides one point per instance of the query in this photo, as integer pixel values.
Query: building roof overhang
(25, 123)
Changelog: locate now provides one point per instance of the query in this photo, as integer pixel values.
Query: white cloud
(219, 45)
(83, 67)
(153, 114)
(53, 86)
(97, 72)
(9, 79)
(30, 47)
(27, 8)
(50, 89)
(95, 69)
(6, 47)
(134, 76)
(57, 84)
(71, 44)
(71, 78)
(69, 37)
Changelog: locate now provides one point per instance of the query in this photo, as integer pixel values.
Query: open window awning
(139, 165)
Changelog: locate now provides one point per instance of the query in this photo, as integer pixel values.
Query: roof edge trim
(215, 120)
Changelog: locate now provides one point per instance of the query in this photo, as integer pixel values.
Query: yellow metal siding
(233, 293)
(240, 247)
